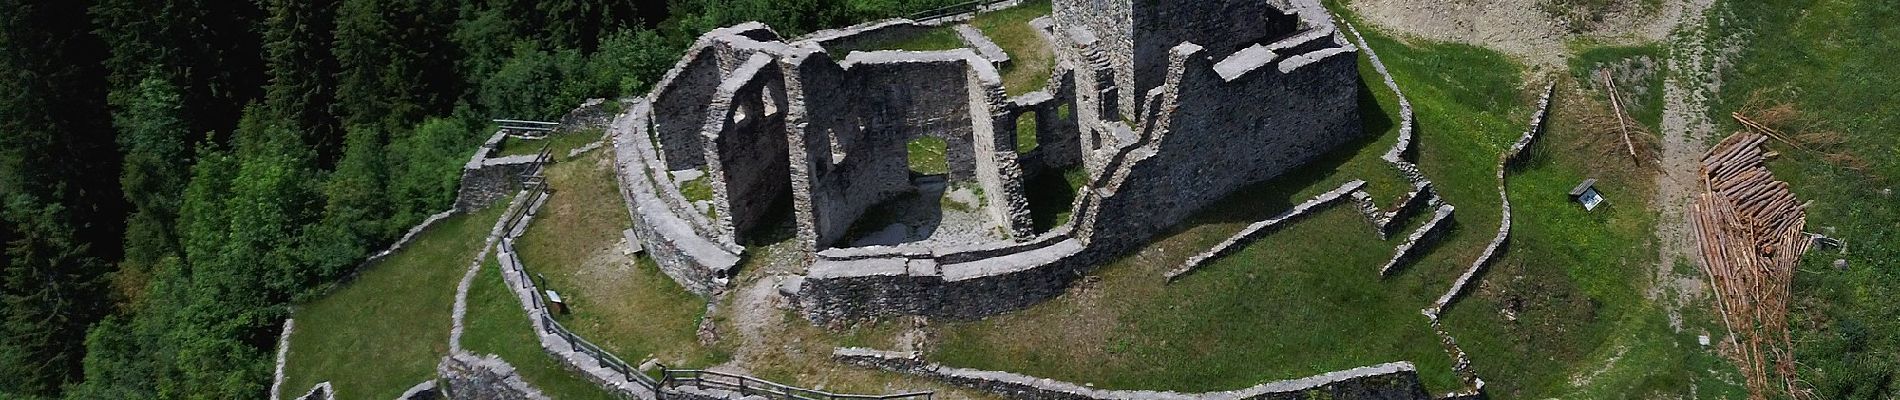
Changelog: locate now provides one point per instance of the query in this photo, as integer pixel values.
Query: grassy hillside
(1828, 67)
(384, 332)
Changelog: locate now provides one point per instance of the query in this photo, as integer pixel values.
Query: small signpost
(1586, 194)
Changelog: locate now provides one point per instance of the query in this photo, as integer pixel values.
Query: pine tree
(60, 210)
(302, 70)
(397, 62)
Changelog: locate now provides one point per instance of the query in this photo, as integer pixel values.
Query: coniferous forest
(175, 173)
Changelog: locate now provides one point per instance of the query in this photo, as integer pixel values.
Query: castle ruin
(1164, 107)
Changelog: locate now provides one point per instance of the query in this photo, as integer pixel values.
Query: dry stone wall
(470, 377)
(1497, 244)
(1390, 381)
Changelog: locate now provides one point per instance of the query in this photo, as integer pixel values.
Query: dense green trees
(61, 216)
(175, 173)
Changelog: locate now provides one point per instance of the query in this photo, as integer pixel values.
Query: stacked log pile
(1750, 231)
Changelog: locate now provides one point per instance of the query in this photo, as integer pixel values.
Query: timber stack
(1750, 231)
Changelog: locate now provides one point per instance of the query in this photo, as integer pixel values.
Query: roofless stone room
(947, 199)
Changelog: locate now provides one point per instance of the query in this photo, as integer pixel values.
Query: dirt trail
(1694, 75)
(1524, 29)
(1532, 34)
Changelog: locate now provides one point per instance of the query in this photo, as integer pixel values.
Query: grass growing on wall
(933, 39)
(559, 144)
(496, 325)
(383, 332)
(623, 304)
(1031, 59)
(927, 156)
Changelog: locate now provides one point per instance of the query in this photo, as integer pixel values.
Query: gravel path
(1686, 129)
(1523, 29)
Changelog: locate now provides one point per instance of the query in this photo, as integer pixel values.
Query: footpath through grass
(1832, 64)
(628, 307)
(496, 325)
(385, 331)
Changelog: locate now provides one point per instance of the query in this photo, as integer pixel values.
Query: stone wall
(470, 377)
(836, 172)
(1390, 381)
(699, 264)
(1248, 121)
(1260, 229)
(747, 131)
(1197, 124)
(488, 180)
(1498, 242)
(1138, 34)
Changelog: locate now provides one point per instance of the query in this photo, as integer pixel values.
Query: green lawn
(1832, 61)
(1289, 306)
(624, 305)
(559, 143)
(496, 325)
(927, 156)
(1031, 60)
(1575, 280)
(385, 331)
(933, 39)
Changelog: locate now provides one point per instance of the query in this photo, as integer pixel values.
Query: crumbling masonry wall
(747, 129)
(1200, 139)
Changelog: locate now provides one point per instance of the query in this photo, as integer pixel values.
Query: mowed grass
(384, 332)
(1832, 61)
(496, 325)
(1576, 281)
(933, 39)
(628, 307)
(1303, 301)
(1307, 299)
(1030, 58)
(558, 144)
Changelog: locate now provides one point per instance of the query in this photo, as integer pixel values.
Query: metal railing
(953, 9)
(750, 386)
(535, 183)
(601, 356)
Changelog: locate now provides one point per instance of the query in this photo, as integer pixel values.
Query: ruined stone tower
(1135, 35)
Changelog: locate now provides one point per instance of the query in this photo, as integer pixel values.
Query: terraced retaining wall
(1390, 381)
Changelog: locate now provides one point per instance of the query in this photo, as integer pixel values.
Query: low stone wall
(486, 180)
(426, 390)
(1423, 237)
(1257, 230)
(1504, 226)
(1390, 381)
(467, 376)
(283, 351)
(695, 262)
(322, 391)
